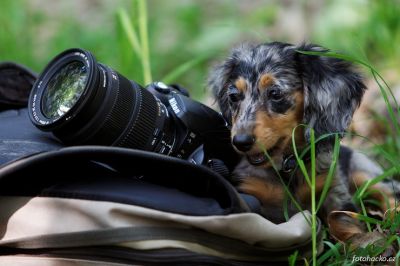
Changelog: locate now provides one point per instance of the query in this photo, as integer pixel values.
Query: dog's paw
(345, 227)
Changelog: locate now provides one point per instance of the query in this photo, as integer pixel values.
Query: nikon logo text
(174, 105)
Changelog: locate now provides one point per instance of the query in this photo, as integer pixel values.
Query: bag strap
(32, 174)
(16, 82)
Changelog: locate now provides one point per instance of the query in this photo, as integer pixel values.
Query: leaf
(183, 68)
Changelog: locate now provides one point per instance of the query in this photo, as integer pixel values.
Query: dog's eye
(234, 94)
(274, 94)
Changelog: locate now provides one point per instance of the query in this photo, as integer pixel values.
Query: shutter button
(162, 88)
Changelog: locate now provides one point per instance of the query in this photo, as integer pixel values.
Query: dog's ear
(217, 80)
(333, 90)
(221, 75)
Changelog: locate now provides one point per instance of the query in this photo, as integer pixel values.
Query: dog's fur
(267, 90)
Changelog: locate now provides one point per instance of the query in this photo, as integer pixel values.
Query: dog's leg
(345, 225)
(338, 203)
(338, 197)
(363, 170)
(271, 195)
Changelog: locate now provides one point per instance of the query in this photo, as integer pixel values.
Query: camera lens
(84, 102)
(64, 89)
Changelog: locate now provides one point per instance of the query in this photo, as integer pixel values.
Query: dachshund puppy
(266, 91)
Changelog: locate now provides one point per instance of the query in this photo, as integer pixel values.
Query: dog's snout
(243, 142)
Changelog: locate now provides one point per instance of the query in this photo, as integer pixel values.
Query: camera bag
(93, 205)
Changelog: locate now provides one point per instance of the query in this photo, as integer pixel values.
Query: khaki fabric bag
(43, 223)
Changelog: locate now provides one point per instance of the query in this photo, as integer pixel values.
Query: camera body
(83, 102)
(201, 133)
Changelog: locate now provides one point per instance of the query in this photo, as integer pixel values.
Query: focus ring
(141, 129)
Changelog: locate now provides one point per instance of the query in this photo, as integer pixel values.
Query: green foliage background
(33, 31)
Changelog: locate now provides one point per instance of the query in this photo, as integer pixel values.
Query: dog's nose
(243, 142)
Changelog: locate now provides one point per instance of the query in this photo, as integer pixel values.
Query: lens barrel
(85, 102)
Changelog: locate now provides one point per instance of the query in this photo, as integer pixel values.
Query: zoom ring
(119, 116)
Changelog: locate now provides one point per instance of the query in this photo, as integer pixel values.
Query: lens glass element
(64, 89)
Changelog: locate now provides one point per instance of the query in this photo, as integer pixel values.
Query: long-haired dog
(267, 90)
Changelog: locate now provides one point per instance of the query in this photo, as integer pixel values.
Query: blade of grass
(144, 41)
(331, 172)
(392, 159)
(376, 202)
(285, 187)
(368, 219)
(372, 202)
(183, 68)
(388, 107)
(293, 258)
(364, 211)
(313, 200)
(387, 243)
(312, 182)
(300, 162)
(285, 207)
(333, 251)
(360, 192)
(130, 31)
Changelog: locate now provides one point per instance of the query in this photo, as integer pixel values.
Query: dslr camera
(83, 102)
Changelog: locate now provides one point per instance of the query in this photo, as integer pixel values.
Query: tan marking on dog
(265, 81)
(241, 84)
(377, 191)
(266, 192)
(270, 128)
(303, 192)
